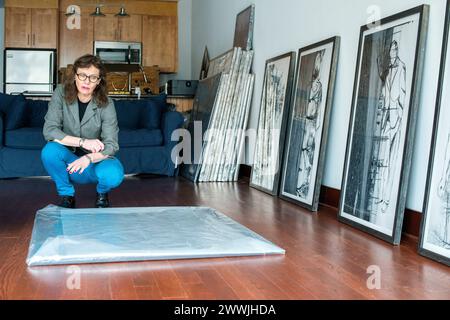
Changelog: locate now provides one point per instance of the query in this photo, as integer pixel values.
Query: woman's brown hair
(100, 94)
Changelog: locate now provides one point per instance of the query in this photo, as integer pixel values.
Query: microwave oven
(112, 52)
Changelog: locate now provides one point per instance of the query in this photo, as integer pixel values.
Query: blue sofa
(145, 128)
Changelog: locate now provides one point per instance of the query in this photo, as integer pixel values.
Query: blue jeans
(107, 174)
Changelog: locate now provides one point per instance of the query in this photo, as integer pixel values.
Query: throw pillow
(154, 108)
(5, 101)
(35, 113)
(129, 113)
(15, 113)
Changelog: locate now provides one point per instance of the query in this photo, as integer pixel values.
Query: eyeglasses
(92, 78)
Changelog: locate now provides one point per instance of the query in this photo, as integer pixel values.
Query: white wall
(184, 43)
(287, 25)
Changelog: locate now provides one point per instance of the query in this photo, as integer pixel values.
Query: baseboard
(330, 197)
(411, 221)
(245, 171)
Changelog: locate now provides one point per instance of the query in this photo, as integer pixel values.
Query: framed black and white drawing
(382, 123)
(243, 31)
(308, 123)
(274, 108)
(434, 239)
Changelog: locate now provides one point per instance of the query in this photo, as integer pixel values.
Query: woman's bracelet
(90, 159)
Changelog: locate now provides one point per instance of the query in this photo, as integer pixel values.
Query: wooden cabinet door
(44, 26)
(75, 42)
(160, 42)
(106, 28)
(18, 27)
(130, 28)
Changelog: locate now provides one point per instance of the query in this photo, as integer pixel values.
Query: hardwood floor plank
(192, 282)
(150, 292)
(121, 284)
(243, 287)
(10, 252)
(276, 272)
(51, 281)
(169, 284)
(213, 280)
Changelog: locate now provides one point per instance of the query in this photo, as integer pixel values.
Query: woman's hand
(93, 145)
(79, 165)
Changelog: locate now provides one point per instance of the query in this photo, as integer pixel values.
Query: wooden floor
(324, 259)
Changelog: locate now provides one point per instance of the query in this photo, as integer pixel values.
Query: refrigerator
(29, 71)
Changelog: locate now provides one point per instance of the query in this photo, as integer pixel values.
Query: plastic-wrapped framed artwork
(74, 236)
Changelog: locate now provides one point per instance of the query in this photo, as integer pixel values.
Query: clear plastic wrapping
(74, 236)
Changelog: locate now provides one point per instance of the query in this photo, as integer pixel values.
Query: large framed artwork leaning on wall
(382, 123)
(434, 239)
(308, 123)
(204, 101)
(274, 108)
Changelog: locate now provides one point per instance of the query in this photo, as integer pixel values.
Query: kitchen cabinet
(44, 27)
(130, 28)
(73, 43)
(31, 28)
(160, 42)
(113, 28)
(105, 28)
(17, 27)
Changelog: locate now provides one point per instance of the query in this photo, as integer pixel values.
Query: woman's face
(91, 78)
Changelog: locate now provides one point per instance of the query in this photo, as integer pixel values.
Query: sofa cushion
(5, 101)
(144, 113)
(25, 138)
(129, 113)
(160, 100)
(140, 138)
(35, 113)
(13, 106)
(155, 107)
